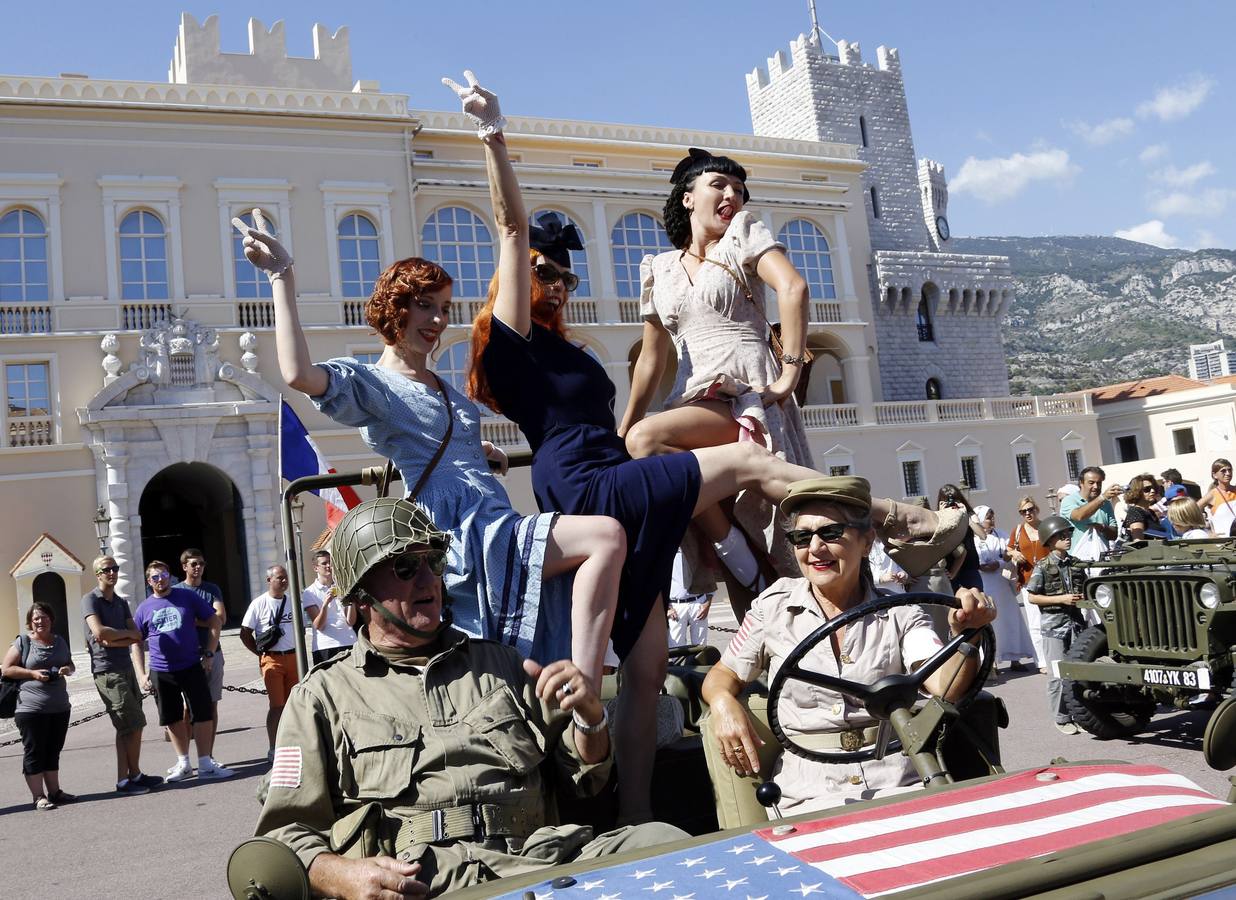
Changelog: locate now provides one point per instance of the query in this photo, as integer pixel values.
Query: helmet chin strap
(365, 597)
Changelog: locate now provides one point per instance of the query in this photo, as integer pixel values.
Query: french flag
(300, 457)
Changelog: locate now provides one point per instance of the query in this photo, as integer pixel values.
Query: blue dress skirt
(494, 580)
(563, 402)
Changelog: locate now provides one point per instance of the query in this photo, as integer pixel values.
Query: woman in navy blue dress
(562, 399)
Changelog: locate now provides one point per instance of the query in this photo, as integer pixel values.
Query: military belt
(849, 740)
(470, 822)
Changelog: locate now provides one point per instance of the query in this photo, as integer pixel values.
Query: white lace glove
(479, 105)
(262, 248)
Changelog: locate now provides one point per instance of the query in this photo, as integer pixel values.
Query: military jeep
(1166, 633)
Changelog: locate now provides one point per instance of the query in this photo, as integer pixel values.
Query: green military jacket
(366, 747)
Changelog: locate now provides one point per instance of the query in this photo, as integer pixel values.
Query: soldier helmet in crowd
(378, 530)
(1051, 527)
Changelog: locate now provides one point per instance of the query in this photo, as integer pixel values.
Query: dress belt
(849, 740)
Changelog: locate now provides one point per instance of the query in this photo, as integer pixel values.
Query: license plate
(1197, 679)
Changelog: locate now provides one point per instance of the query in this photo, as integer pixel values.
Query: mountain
(1095, 310)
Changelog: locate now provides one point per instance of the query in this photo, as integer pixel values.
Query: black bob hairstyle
(677, 217)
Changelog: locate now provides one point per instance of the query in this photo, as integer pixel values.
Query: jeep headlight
(1104, 595)
(1209, 595)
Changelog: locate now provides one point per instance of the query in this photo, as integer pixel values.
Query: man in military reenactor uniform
(413, 762)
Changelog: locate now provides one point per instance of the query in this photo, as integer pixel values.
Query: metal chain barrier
(101, 713)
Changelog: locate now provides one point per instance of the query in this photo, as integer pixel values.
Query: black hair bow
(553, 240)
(694, 155)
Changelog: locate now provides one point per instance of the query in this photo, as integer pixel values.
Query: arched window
(808, 251)
(143, 257)
(579, 258)
(933, 389)
(251, 282)
(923, 321)
(359, 261)
(634, 237)
(460, 242)
(23, 257)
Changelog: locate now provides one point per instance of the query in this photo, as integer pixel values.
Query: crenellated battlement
(197, 58)
(801, 48)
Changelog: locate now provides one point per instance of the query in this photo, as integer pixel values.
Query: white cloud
(1151, 232)
(1186, 177)
(1210, 202)
(1001, 178)
(1153, 153)
(1172, 103)
(1102, 132)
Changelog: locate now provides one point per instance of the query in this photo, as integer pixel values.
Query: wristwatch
(207, 654)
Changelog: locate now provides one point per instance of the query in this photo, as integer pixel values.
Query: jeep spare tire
(1104, 718)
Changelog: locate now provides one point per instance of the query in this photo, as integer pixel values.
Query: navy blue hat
(553, 240)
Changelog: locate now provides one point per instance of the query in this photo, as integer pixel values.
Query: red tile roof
(1143, 387)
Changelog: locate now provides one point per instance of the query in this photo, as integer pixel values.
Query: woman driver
(831, 533)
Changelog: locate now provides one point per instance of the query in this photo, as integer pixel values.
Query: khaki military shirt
(466, 727)
(885, 643)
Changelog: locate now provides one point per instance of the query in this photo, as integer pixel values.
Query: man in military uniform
(412, 764)
(832, 534)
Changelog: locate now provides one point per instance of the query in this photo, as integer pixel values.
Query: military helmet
(1052, 526)
(376, 531)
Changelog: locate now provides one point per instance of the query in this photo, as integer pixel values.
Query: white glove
(479, 105)
(262, 248)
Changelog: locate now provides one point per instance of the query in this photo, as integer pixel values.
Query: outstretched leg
(595, 547)
(635, 726)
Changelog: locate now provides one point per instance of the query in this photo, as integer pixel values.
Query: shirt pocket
(504, 725)
(380, 755)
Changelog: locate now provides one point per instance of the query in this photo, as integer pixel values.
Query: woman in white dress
(707, 298)
(1013, 642)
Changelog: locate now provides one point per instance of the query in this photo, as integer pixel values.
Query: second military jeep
(1166, 633)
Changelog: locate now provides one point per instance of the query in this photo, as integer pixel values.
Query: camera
(52, 674)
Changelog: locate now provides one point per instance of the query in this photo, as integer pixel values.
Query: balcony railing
(504, 433)
(824, 312)
(33, 431)
(581, 312)
(140, 316)
(255, 314)
(628, 312)
(929, 412)
(25, 319)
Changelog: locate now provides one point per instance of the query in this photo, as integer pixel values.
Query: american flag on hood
(299, 456)
(917, 841)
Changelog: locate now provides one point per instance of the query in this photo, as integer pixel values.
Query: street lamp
(101, 522)
(298, 512)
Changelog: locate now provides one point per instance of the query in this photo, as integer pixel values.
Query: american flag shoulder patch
(740, 638)
(285, 771)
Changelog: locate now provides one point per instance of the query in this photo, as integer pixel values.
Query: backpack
(9, 688)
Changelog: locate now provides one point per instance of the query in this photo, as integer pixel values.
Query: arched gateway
(164, 433)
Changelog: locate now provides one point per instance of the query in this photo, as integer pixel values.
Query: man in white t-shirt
(278, 661)
(334, 627)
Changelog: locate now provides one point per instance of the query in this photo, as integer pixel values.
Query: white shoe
(215, 771)
(180, 772)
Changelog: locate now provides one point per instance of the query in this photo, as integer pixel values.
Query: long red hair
(482, 327)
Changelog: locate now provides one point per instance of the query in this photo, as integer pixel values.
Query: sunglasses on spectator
(800, 538)
(159, 576)
(547, 274)
(1028, 509)
(107, 570)
(408, 566)
(1150, 489)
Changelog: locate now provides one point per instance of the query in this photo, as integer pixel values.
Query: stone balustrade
(927, 412)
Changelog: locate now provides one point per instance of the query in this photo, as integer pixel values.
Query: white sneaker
(214, 771)
(180, 771)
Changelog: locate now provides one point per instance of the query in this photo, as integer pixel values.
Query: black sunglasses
(800, 538)
(107, 570)
(547, 274)
(408, 566)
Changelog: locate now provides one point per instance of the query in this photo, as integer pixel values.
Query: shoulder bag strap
(25, 648)
(279, 615)
(446, 439)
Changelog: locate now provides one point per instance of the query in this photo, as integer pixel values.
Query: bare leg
(35, 783)
(131, 752)
(643, 675)
(204, 737)
(272, 724)
(51, 780)
(705, 423)
(180, 737)
(724, 471)
(595, 547)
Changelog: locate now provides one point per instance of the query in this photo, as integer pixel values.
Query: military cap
(378, 530)
(847, 490)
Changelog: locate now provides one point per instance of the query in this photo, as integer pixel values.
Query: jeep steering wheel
(891, 692)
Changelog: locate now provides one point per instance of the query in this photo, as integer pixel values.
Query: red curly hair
(478, 384)
(387, 310)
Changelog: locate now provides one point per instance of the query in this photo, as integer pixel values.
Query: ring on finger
(566, 690)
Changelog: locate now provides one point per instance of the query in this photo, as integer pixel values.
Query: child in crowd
(1051, 588)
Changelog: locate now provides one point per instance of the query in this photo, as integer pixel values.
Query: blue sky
(1051, 117)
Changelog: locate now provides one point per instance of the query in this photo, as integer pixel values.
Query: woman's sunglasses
(408, 566)
(547, 274)
(1028, 510)
(800, 538)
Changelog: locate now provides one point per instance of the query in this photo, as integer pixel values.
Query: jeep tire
(1105, 720)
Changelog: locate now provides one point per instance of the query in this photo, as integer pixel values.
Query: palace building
(136, 342)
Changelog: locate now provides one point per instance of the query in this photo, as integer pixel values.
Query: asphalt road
(175, 841)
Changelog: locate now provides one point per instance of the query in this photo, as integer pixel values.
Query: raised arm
(264, 251)
(513, 304)
(776, 271)
(649, 368)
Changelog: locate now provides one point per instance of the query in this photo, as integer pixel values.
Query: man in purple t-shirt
(168, 621)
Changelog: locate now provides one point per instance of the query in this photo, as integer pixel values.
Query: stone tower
(937, 314)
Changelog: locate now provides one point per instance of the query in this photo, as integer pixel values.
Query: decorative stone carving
(111, 362)
(180, 353)
(248, 342)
